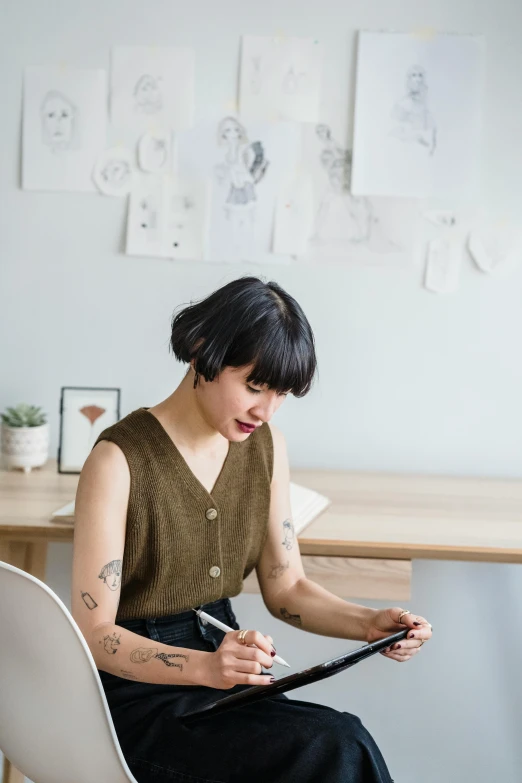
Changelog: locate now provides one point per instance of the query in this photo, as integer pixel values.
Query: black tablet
(297, 680)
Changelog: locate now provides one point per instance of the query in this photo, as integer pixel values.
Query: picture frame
(84, 413)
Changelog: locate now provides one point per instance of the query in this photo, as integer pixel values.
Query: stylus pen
(226, 629)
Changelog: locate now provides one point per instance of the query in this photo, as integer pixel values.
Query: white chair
(55, 724)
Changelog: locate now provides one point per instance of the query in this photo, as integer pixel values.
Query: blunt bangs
(248, 322)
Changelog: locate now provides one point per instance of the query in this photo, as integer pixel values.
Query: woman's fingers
(254, 654)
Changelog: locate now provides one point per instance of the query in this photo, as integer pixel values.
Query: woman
(176, 505)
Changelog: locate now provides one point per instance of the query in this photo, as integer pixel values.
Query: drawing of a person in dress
(343, 217)
(415, 121)
(244, 166)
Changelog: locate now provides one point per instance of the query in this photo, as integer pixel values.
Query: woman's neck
(181, 417)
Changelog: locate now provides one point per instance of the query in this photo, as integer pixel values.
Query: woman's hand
(386, 622)
(235, 663)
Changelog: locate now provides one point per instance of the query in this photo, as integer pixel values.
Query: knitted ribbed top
(185, 546)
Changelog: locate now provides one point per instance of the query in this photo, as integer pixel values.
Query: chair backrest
(55, 724)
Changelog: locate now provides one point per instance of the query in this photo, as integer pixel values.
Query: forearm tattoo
(111, 642)
(289, 532)
(144, 655)
(128, 675)
(295, 619)
(277, 570)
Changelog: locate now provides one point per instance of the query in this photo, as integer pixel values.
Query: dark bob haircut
(248, 322)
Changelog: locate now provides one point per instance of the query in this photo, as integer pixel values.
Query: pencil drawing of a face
(58, 116)
(231, 130)
(416, 81)
(116, 172)
(147, 94)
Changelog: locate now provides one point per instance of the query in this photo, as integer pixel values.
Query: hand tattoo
(289, 534)
(278, 570)
(292, 618)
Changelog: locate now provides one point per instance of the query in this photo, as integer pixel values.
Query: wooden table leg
(29, 556)
(11, 774)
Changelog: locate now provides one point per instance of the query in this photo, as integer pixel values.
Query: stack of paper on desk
(306, 505)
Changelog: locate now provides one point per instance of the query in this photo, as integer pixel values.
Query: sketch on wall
(349, 227)
(152, 87)
(155, 151)
(413, 121)
(417, 115)
(113, 171)
(294, 215)
(443, 263)
(243, 167)
(494, 242)
(246, 165)
(64, 127)
(280, 78)
(167, 217)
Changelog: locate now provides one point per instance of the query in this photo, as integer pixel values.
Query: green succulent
(24, 416)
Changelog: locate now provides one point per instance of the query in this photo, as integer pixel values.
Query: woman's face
(228, 402)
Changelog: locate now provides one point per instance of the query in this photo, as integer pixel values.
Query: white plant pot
(25, 447)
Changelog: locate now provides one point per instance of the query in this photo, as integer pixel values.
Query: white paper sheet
(494, 243)
(417, 115)
(152, 88)
(167, 217)
(443, 266)
(113, 171)
(247, 165)
(348, 228)
(294, 215)
(64, 127)
(155, 151)
(146, 218)
(186, 219)
(280, 79)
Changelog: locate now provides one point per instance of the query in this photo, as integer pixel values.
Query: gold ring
(241, 637)
(406, 611)
(421, 642)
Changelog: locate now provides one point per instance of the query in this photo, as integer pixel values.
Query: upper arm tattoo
(88, 600)
(111, 574)
(289, 532)
(278, 570)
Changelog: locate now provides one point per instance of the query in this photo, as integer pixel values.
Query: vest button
(215, 571)
(211, 514)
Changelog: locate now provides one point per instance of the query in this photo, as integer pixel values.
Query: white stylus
(226, 629)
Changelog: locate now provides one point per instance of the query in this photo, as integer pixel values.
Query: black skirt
(276, 740)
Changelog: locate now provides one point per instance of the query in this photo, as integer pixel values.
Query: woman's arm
(98, 551)
(288, 594)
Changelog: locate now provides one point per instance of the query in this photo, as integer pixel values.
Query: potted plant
(25, 437)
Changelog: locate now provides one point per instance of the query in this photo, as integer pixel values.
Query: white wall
(409, 381)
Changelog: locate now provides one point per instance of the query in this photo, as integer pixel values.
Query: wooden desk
(361, 547)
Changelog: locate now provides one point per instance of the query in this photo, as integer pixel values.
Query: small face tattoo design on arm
(111, 574)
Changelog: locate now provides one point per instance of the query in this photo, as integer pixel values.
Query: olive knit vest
(183, 546)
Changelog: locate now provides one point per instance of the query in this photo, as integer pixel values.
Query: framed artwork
(84, 414)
